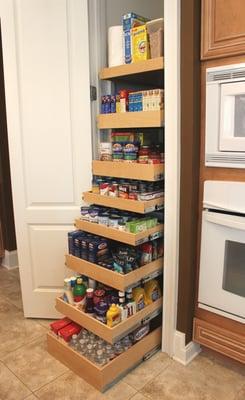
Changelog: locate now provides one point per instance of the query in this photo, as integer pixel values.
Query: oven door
(222, 265)
(232, 117)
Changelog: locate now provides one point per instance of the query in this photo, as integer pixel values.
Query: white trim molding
(184, 353)
(172, 11)
(10, 259)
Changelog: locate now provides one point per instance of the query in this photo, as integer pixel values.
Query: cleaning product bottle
(113, 315)
(139, 298)
(152, 291)
(79, 292)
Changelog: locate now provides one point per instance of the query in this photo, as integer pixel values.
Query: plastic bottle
(113, 315)
(89, 306)
(67, 291)
(79, 292)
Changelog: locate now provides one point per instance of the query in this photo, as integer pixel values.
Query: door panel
(223, 29)
(46, 66)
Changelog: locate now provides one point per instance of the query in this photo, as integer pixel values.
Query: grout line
(23, 345)
(12, 372)
(53, 380)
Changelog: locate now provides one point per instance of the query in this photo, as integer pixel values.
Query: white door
(46, 67)
(222, 264)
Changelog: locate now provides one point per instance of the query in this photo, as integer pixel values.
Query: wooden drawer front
(140, 119)
(120, 236)
(137, 206)
(151, 172)
(219, 339)
(223, 28)
(101, 377)
(109, 334)
(112, 278)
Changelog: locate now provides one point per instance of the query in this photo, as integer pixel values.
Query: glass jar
(144, 155)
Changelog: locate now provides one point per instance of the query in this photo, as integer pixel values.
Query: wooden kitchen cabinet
(223, 28)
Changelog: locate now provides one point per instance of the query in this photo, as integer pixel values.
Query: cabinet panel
(223, 28)
(221, 340)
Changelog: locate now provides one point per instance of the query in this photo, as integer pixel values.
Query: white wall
(147, 8)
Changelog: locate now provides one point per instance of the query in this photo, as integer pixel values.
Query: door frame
(172, 11)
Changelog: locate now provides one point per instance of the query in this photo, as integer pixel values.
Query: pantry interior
(134, 167)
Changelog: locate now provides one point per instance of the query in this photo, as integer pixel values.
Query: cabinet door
(223, 28)
(46, 69)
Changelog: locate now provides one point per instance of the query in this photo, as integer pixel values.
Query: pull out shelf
(111, 278)
(138, 119)
(140, 207)
(150, 172)
(120, 236)
(111, 335)
(102, 377)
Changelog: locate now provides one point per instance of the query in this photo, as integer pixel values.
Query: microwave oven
(225, 116)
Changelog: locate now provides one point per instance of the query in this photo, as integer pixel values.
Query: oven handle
(224, 219)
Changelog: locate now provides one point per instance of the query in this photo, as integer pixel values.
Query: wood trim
(115, 234)
(6, 201)
(140, 119)
(219, 320)
(219, 339)
(151, 172)
(154, 64)
(98, 377)
(111, 335)
(212, 47)
(189, 179)
(112, 278)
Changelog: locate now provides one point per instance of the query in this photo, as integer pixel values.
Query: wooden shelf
(111, 278)
(111, 335)
(102, 377)
(150, 172)
(154, 64)
(140, 119)
(115, 234)
(137, 206)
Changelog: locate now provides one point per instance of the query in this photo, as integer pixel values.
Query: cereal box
(140, 44)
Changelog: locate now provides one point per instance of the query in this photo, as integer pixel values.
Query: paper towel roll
(115, 46)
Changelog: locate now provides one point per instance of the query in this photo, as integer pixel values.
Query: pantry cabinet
(101, 377)
(223, 28)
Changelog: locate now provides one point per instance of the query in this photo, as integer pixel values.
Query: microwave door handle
(226, 220)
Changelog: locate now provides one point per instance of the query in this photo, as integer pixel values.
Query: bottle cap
(79, 281)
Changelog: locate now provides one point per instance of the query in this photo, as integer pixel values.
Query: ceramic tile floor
(27, 371)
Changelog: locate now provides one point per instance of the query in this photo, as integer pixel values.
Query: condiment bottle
(79, 292)
(89, 305)
(113, 315)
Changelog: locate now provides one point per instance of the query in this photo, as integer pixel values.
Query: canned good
(104, 188)
(113, 221)
(117, 157)
(113, 189)
(123, 190)
(130, 157)
(103, 219)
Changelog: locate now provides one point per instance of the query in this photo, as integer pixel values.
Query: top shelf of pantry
(141, 71)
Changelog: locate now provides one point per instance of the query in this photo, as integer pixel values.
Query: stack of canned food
(127, 189)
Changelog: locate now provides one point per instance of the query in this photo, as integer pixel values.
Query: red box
(69, 330)
(61, 323)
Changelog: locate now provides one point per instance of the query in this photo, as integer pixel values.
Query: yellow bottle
(139, 298)
(152, 291)
(113, 315)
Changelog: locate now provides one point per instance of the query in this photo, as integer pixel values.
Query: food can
(113, 189)
(104, 188)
